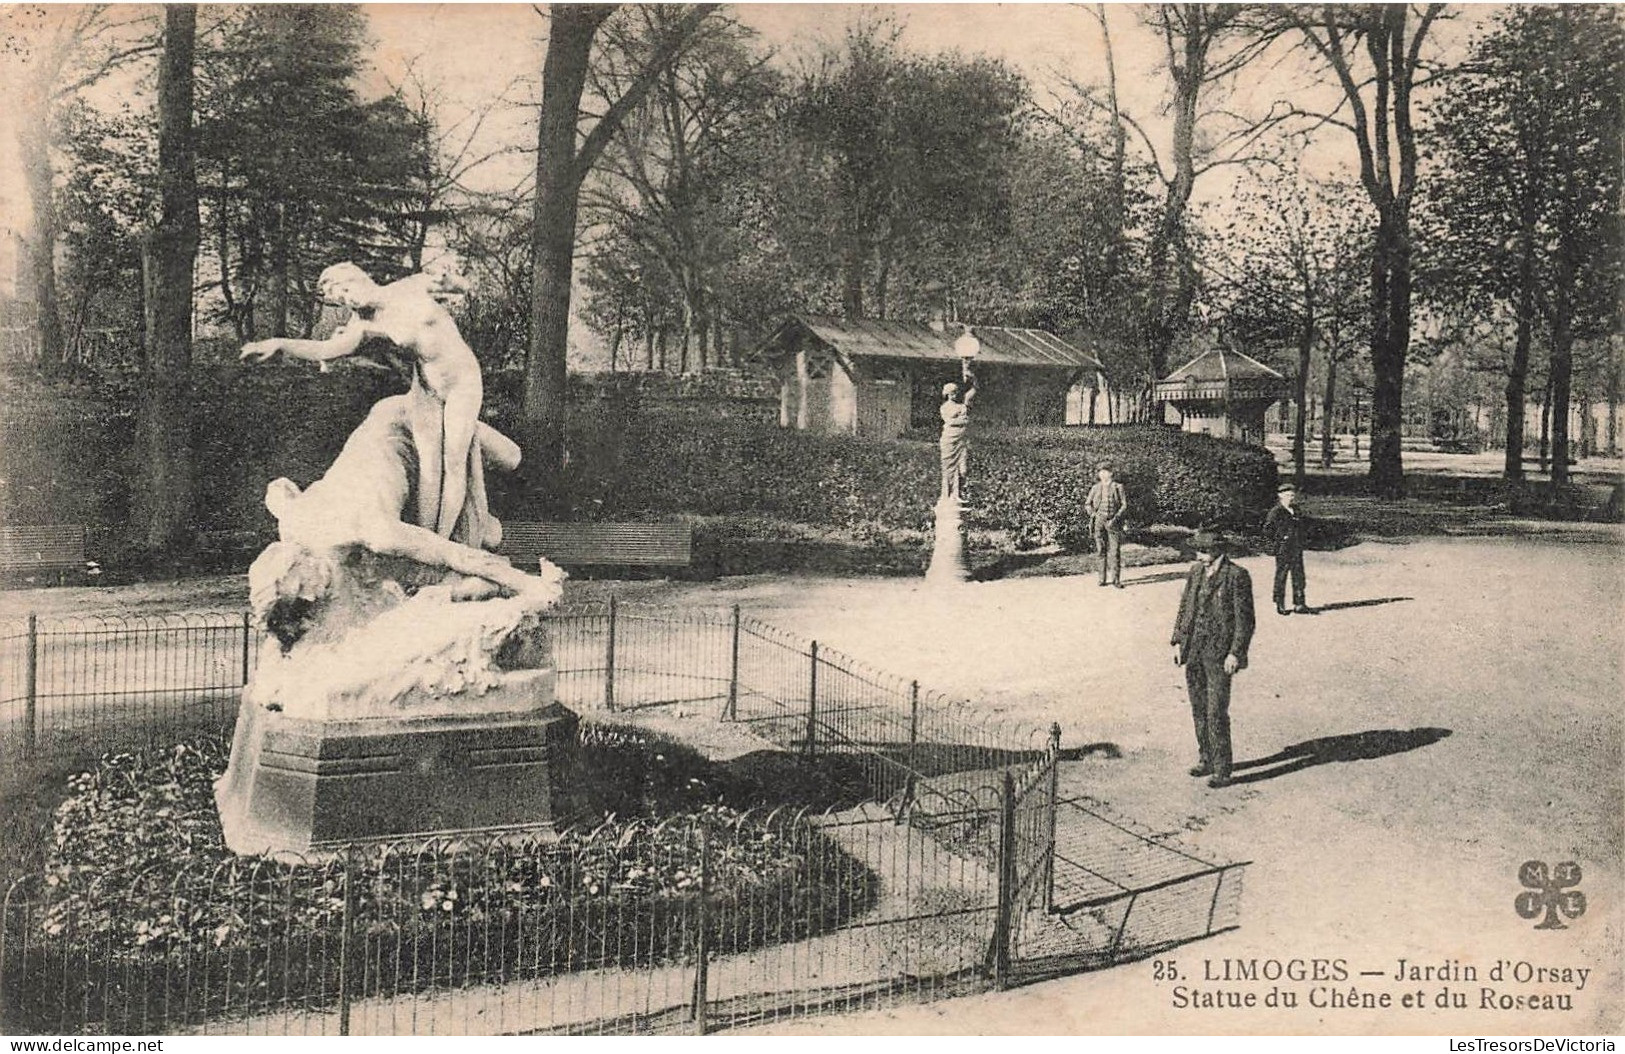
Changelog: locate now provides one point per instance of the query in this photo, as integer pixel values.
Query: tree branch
(665, 51)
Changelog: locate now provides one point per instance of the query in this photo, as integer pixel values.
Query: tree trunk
(1561, 376)
(852, 266)
(1613, 402)
(1517, 381)
(1117, 185)
(35, 146)
(1545, 421)
(1300, 398)
(1172, 284)
(1328, 408)
(1390, 339)
(222, 234)
(564, 75)
(169, 257)
(1518, 373)
(276, 283)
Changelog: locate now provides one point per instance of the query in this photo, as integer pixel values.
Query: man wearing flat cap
(1106, 506)
(1286, 530)
(1211, 635)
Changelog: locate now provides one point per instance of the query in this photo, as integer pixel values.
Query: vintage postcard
(787, 519)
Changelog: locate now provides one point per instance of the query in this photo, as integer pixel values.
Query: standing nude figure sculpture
(443, 405)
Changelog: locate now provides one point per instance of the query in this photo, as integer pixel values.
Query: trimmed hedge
(1030, 482)
(75, 463)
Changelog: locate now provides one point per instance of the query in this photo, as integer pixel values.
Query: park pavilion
(877, 378)
(1223, 393)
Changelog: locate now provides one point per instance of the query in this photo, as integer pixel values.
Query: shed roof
(884, 339)
(1223, 364)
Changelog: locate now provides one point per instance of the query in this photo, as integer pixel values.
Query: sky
(474, 53)
(475, 50)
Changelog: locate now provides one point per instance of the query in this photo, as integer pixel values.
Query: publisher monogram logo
(1549, 894)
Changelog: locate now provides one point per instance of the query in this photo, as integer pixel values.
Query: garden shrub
(1030, 482)
(628, 461)
(147, 922)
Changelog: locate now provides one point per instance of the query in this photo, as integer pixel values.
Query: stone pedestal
(948, 545)
(298, 785)
(378, 716)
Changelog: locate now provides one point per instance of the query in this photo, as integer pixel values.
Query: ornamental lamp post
(948, 563)
(967, 347)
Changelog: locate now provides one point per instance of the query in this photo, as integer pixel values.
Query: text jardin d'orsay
(1333, 984)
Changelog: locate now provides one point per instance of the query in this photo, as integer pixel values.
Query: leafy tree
(54, 54)
(657, 189)
(912, 153)
(1205, 47)
(106, 199)
(1294, 279)
(297, 170)
(1525, 217)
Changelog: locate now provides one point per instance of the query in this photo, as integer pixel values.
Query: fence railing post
(812, 699)
(702, 950)
(999, 952)
(914, 725)
(609, 660)
(248, 636)
(31, 685)
(346, 926)
(1054, 807)
(733, 671)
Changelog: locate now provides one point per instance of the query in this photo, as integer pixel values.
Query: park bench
(51, 547)
(600, 544)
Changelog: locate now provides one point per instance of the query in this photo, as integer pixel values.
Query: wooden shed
(878, 378)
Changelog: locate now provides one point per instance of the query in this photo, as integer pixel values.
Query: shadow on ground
(1355, 746)
(1344, 605)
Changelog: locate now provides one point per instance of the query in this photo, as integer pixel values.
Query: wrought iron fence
(970, 866)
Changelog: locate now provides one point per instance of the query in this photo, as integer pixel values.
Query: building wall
(1242, 422)
(817, 394)
(884, 399)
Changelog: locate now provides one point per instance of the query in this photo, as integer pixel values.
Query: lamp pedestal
(948, 544)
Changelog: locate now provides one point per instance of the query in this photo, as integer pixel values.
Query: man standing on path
(1210, 639)
(1106, 506)
(1286, 528)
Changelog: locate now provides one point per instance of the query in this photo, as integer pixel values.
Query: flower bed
(143, 921)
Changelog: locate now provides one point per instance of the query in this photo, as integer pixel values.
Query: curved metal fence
(963, 866)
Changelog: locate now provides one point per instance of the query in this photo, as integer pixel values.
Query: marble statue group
(405, 678)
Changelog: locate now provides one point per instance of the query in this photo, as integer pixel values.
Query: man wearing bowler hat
(1286, 529)
(1106, 506)
(1210, 639)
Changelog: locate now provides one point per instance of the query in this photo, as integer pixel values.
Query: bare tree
(652, 191)
(563, 160)
(1205, 46)
(1375, 52)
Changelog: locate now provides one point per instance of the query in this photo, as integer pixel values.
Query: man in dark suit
(1211, 635)
(1106, 506)
(1286, 528)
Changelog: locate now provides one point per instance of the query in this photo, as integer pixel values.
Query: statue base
(301, 786)
(948, 545)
